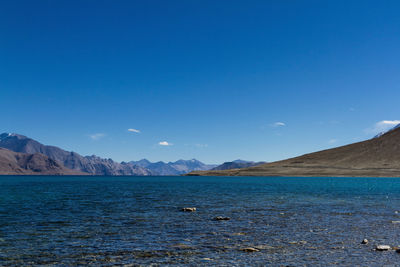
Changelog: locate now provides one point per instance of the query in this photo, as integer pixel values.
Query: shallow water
(67, 221)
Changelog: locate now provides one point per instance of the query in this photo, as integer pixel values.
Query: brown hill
(377, 157)
(13, 163)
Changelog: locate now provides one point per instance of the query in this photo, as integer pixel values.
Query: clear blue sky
(219, 80)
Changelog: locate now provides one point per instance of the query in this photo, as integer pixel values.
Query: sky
(211, 80)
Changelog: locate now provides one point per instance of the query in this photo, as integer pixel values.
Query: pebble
(189, 209)
(365, 241)
(382, 248)
(220, 218)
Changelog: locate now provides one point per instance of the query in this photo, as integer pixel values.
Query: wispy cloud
(96, 136)
(278, 124)
(201, 145)
(382, 126)
(332, 141)
(164, 143)
(133, 130)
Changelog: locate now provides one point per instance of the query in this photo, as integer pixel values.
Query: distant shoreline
(194, 175)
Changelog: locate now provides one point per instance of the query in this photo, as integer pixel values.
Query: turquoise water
(67, 221)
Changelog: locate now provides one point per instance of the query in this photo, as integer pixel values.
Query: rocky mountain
(236, 164)
(173, 168)
(12, 163)
(377, 157)
(90, 164)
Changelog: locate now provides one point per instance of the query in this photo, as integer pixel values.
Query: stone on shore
(189, 209)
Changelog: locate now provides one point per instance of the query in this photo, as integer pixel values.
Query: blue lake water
(98, 221)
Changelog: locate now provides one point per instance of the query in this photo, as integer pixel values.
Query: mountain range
(173, 168)
(21, 154)
(377, 157)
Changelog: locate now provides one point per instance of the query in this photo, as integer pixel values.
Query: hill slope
(377, 157)
(28, 164)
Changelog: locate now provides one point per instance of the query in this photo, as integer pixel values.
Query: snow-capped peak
(382, 133)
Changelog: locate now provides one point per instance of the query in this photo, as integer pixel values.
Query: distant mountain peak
(8, 135)
(242, 161)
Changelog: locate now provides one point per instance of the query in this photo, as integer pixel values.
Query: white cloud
(133, 130)
(164, 143)
(391, 123)
(96, 136)
(383, 126)
(332, 141)
(278, 124)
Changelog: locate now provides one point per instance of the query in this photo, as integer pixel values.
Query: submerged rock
(239, 234)
(189, 209)
(262, 247)
(338, 247)
(302, 242)
(220, 218)
(365, 241)
(182, 246)
(383, 248)
(249, 249)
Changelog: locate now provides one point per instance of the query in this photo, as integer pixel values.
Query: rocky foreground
(377, 157)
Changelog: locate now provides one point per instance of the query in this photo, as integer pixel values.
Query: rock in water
(220, 218)
(189, 209)
(364, 242)
(382, 248)
(250, 249)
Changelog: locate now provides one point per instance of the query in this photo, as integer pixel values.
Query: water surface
(106, 221)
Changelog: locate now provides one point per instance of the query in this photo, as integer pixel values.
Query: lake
(104, 221)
